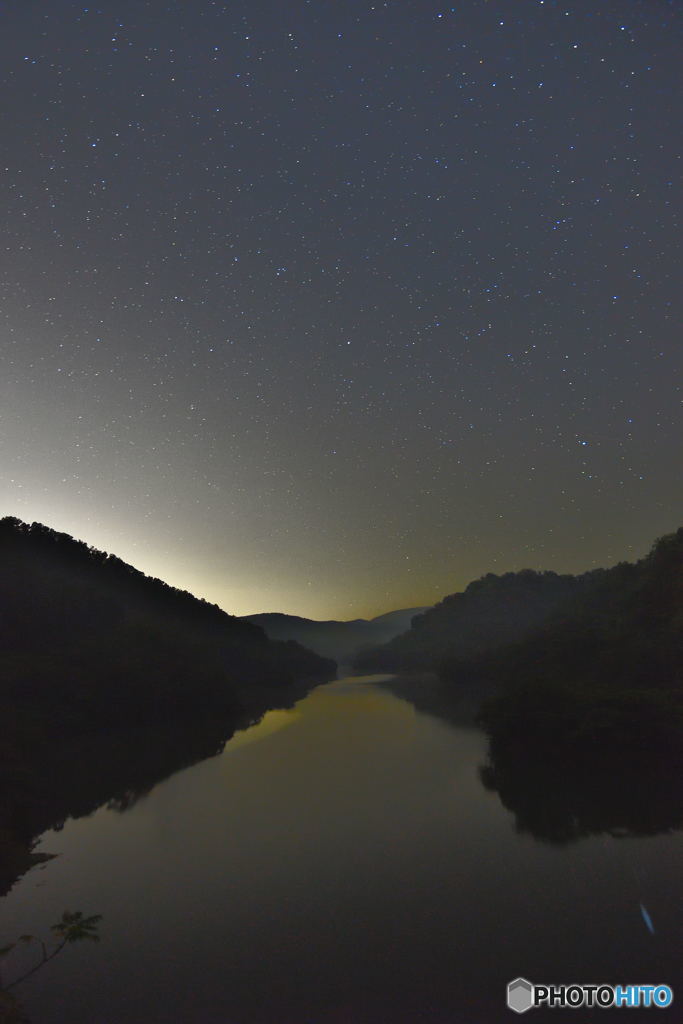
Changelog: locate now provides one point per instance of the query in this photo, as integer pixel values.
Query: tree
(73, 927)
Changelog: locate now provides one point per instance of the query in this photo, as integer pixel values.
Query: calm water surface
(340, 862)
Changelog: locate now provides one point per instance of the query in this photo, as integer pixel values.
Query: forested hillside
(491, 611)
(87, 641)
(607, 668)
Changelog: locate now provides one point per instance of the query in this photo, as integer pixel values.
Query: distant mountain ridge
(337, 639)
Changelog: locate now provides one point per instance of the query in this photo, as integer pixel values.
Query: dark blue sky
(330, 307)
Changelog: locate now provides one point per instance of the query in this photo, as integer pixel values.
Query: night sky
(331, 307)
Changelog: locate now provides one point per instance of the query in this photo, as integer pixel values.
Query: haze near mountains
(342, 641)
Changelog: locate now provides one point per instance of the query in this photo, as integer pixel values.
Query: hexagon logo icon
(520, 995)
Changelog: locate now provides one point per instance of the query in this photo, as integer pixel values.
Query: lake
(340, 862)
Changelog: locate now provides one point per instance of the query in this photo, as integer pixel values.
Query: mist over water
(340, 861)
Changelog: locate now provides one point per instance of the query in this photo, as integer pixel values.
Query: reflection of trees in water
(74, 777)
(562, 799)
(559, 790)
(431, 695)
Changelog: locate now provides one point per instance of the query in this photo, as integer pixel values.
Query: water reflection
(563, 801)
(556, 797)
(75, 777)
(339, 861)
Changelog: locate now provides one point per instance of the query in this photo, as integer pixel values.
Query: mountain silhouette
(339, 640)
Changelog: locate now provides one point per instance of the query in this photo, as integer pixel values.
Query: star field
(330, 308)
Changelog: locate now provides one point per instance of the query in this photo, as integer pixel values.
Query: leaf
(73, 927)
(6, 949)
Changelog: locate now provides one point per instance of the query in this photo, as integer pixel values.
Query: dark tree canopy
(491, 611)
(87, 641)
